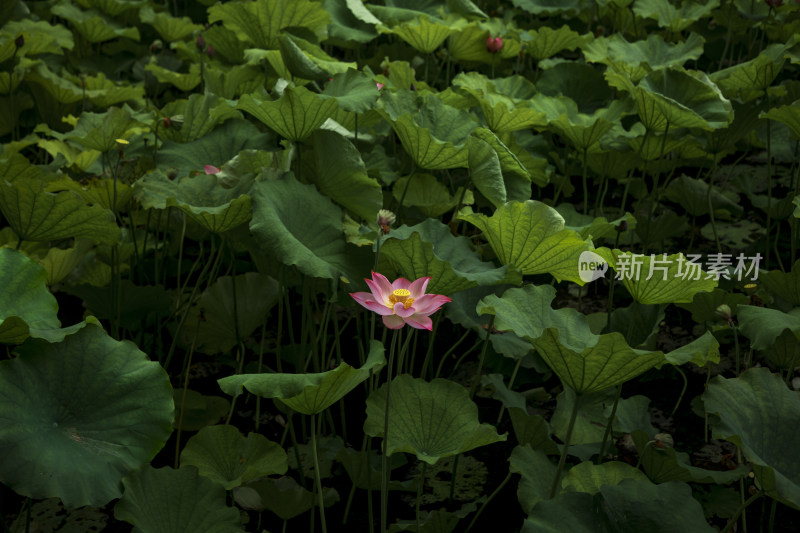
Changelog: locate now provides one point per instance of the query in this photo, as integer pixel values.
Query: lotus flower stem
(385, 473)
(510, 385)
(683, 391)
(489, 499)
(420, 484)
(317, 475)
(607, 432)
(429, 351)
(477, 379)
(448, 352)
(563, 459)
(453, 474)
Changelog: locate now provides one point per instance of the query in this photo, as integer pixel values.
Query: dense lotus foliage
(217, 219)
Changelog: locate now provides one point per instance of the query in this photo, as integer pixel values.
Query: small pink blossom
(401, 302)
(494, 45)
(379, 85)
(210, 169)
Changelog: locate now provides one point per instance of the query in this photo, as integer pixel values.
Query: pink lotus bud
(380, 86)
(210, 52)
(774, 3)
(210, 169)
(494, 45)
(200, 43)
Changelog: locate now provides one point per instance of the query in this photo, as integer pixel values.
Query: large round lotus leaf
(307, 393)
(295, 115)
(759, 413)
(432, 420)
(202, 197)
(38, 215)
(301, 227)
(605, 364)
(79, 415)
(527, 312)
(763, 325)
(353, 90)
(175, 501)
(633, 505)
(423, 34)
(429, 249)
(658, 279)
(25, 302)
(531, 236)
(224, 455)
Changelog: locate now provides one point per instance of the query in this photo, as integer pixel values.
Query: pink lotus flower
(379, 85)
(211, 169)
(402, 302)
(494, 45)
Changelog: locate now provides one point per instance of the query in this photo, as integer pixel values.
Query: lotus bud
(210, 52)
(494, 45)
(663, 440)
(200, 43)
(622, 227)
(385, 220)
(774, 3)
(19, 41)
(724, 311)
(156, 46)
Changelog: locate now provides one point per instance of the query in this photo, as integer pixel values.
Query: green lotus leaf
(532, 430)
(222, 319)
(664, 464)
(112, 8)
(235, 81)
(37, 215)
(594, 410)
(308, 61)
(676, 98)
(435, 136)
(427, 194)
(495, 386)
(590, 478)
(353, 90)
(16, 166)
(74, 434)
(516, 178)
(261, 21)
(224, 143)
(639, 58)
(295, 115)
(103, 92)
(170, 28)
(307, 393)
(582, 83)
(100, 131)
(280, 223)
(25, 304)
(537, 475)
(504, 116)
(183, 81)
(763, 325)
(757, 413)
(485, 172)
(59, 263)
(583, 131)
(552, 7)
(429, 249)
(40, 37)
(161, 500)
(94, 26)
(351, 22)
(607, 363)
(783, 285)
(202, 197)
(789, 115)
(521, 232)
(201, 114)
(691, 194)
(283, 496)
(750, 80)
(342, 176)
(527, 312)
(194, 411)
(631, 505)
(785, 352)
(701, 351)
(227, 45)
(590, 227)
(62, 90)
(429, 419)
(658, 280)
(423, 34)
(222, 454)
(676, 19)
(546, 42)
